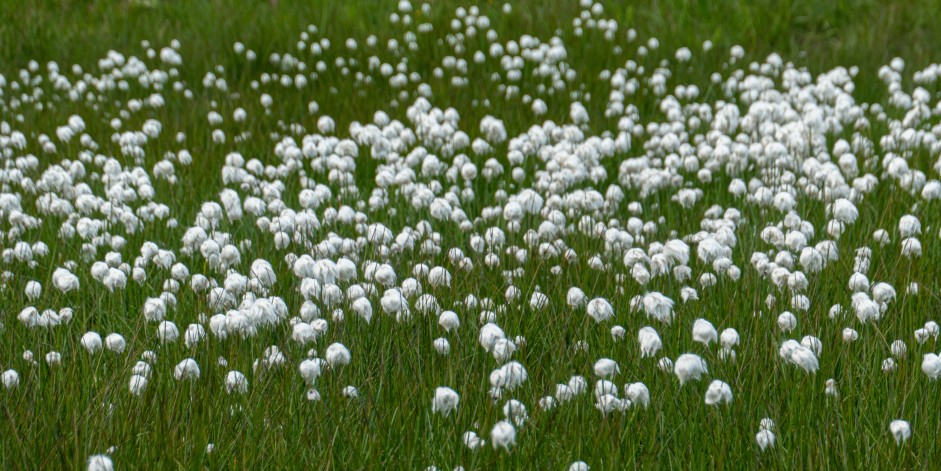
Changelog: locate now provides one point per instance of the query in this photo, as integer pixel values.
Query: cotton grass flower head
(578, 385)
(235, 382)
(516, 412)
(310, 370)
(137, 384)
(787, 321)
(115, 343)
(898, 349)
(606, 368)
(442, 346)
(579, 466)
(931, 366)
(503, 350)
(813, 344)
(563, 393)
(472, 441)
(665, 365)
(186, 370)
(337, 355)
(933, 329)
(659, 307)
(600, 310)
(618, 333)
(607, 404)
(449, 321)
(503, 435)
(445, 401)
(489, 334)
(689, 367)
(53, 359)
(909, 226)
(729, 338)
(603, 387)
(168, 332)
(10, 379)
(718, 392)
(637, 393)
(649, 341)
(99, 463)
(850, 335)
(765, 439)
(844, 211)
(900, 430)
(799, 355)
(547, 403)
(704, 332)
(888, 365)
(350, 392)
(91, 341)
(575, 298)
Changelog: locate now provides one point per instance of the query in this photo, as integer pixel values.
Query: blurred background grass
(817, 34)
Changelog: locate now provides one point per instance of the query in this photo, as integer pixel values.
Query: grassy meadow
(175, 112)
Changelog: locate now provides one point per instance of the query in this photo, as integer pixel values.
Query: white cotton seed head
(850, 335)
(167, 332)
(729, 338)
(600, 310)
(449, 321)
(689, 367)
(10, 379)
(488, 336)
(91, 341)
(844, 211)
(909, 226)
(659, 307)
(765, 439)
(932, 328)
(235, 382)
(931, 366)
(310, 370)
(900, 430)
(649, 341)
(445, 401)
(804, 358)
(115, 343)
(637, 393)
(472, 441)
(576, 298)
(898, 349)
(186, 370)
(442, 346)
(606, 368)
(99, 463)
(718, 392)
(888, 365)
(787, 321)
(503, 435)
(618, 333)
(337, 355)
(137, 384)
(579, 466)
(704, 332)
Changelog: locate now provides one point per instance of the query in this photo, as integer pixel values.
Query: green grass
(58, 417)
